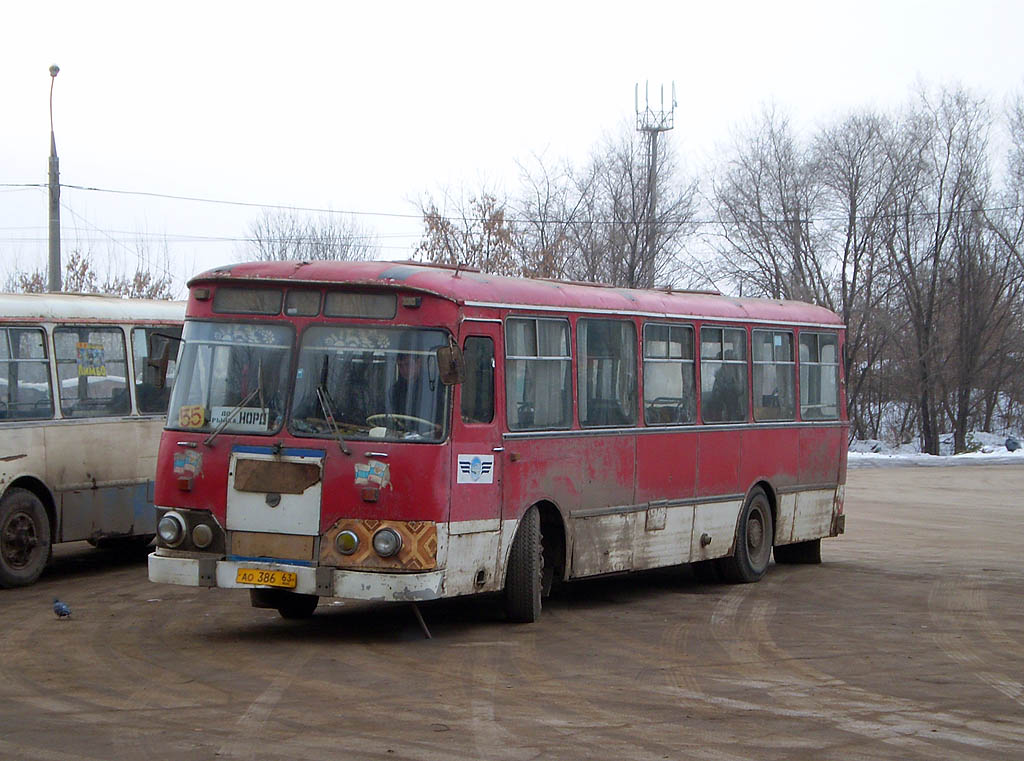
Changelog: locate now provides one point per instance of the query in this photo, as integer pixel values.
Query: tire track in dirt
(793, 683)
(965, 608)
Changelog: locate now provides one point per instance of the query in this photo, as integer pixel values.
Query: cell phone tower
(652, 123)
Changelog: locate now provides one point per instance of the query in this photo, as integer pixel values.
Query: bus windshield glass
(231, 377)
(370, 383)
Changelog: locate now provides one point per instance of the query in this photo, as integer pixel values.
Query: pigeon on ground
(60, 609)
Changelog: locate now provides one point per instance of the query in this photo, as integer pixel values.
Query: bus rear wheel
(524, 576)
(800, 553)
(24, 538)
(754, 536)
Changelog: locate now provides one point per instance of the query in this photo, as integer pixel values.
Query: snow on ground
(991, 450)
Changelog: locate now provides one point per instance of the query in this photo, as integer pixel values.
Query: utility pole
(652, 123)
(53, 277)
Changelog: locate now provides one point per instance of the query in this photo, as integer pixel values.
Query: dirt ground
(907, 642)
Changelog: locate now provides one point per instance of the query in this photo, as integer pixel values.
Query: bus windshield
(372, 383)
(231, 377)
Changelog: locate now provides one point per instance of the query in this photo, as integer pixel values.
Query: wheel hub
(19, 540)
(755, 533)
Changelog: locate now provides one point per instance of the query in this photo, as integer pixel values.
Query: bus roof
(473, 288)
(64, 307)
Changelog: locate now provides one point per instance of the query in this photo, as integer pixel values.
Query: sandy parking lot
(907, 642)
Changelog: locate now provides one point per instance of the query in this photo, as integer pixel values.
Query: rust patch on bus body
(272, 476)
(258, 544)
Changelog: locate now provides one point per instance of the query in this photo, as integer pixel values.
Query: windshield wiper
(327, 405)
(238, 407)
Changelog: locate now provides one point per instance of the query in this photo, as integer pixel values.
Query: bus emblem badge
(476, 469)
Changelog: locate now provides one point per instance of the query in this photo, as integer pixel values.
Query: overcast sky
(365, 107)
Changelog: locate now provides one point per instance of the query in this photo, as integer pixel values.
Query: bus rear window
(381, 306)
(229, 300)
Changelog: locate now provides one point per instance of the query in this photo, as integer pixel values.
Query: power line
(224, 202)
(522, 220)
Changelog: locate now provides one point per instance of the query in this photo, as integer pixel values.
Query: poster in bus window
(90, 360)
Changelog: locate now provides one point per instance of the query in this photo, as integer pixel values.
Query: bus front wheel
(754, 536)
(524, 575)
(290, 605)
(297, 606)
(24, 538)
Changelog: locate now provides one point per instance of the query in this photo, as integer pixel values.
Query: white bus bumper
(326, 582)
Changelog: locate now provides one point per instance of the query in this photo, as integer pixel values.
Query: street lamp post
(53, 279)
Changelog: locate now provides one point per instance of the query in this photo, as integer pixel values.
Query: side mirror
(155, 372)
(451, 364)
(158, 356)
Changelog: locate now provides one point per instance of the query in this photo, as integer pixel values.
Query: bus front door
(474, 526)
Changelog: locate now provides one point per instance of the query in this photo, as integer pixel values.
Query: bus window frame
(625, 363)
(692, 361)
(755, 363)
(743, 363)
(569, 359)
(88, 412)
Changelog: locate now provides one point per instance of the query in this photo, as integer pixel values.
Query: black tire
(754, 535)
(24, 538)
(800, 553)
(524, 576)
(293, 605)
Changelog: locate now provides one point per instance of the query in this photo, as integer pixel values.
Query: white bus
(80, 420)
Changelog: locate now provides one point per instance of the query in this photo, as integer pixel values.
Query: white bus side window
(92, 371)
(25, 392)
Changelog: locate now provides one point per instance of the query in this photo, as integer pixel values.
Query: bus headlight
(202, 535)
(171, 529)
(387, 542)
(347, 542)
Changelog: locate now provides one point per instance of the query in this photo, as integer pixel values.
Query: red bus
(405, 432)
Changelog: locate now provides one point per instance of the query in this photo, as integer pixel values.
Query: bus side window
(25, 375)
(92, 371)
(607, 372)
(478, 388)
(538, 383)
(723, 371)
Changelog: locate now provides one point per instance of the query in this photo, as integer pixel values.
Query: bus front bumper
(322, 581)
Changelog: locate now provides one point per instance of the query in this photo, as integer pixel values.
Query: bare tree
(941, 150)
(766, 202)
(620, 243)
(283, 235)
(476, 233)
(551, 206)
(858, 183)
(81, 276)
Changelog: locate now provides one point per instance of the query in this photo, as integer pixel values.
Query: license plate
(258, 576)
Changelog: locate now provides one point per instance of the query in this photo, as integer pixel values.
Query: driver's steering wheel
(403, 422)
